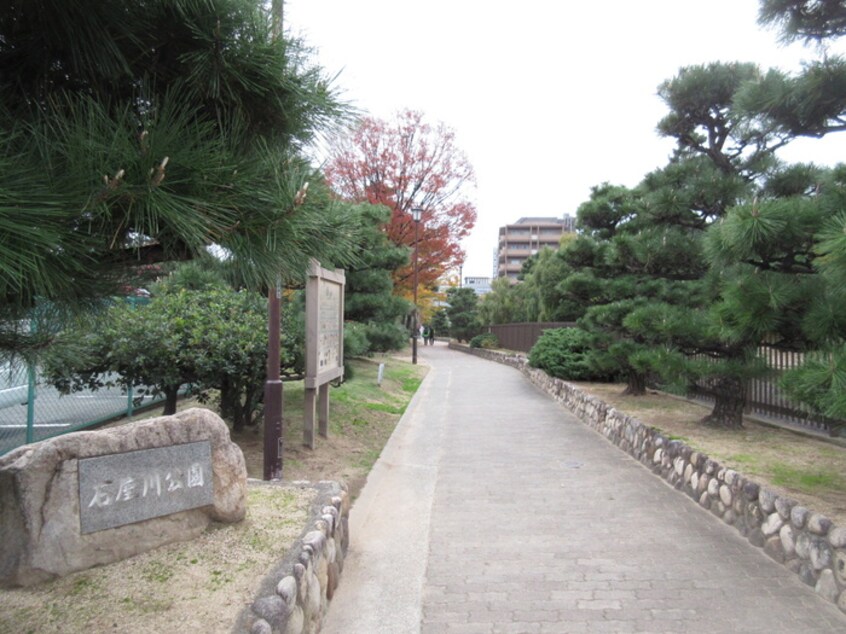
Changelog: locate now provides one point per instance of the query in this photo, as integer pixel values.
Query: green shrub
(563, 353)
(349, 372)
(356, 343)
(486, 340)
(386, 336)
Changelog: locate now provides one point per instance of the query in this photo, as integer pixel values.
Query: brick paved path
(492, 509)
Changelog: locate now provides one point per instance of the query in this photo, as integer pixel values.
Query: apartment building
(524, 238)
(481, 285)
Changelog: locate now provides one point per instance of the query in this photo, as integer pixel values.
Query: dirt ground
(808, 469)
(202, 585)
(195, 586)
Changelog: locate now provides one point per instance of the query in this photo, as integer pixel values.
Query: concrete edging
(805, 542)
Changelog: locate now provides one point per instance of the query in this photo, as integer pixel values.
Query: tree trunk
(237, 420)
(245, 420)
(233, 409)
(728, 408)
(251, 402)
(229, 404)
(239, 406)
(636, 385)
(171, 396)
(241, 412)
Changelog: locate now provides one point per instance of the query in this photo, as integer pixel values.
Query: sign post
(324, 345)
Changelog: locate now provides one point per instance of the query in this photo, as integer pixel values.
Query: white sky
(547, 98)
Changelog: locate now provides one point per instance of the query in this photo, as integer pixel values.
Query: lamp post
(273, 389)
(273, 422)
(416, 214)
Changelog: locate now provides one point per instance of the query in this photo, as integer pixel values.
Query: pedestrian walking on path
(493, 509)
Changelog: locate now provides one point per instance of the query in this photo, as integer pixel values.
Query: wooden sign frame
(324, 345)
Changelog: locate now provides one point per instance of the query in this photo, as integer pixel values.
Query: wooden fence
(522, 337)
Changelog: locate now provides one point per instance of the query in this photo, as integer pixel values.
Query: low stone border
(294, 597)
(806, 542)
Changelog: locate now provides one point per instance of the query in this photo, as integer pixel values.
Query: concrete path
(492, 509)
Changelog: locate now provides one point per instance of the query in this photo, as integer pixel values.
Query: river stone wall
(294, 597)
(806, 542)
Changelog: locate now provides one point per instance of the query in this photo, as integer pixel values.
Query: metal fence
(764, 396)
(32, 410)
(521, 337)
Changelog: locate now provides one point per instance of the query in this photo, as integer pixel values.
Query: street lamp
(273, 388)
(416, 215)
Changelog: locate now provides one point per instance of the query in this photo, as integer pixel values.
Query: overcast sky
(548, 98)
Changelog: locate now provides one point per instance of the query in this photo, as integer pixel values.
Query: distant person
(431, 336)
(426, 330)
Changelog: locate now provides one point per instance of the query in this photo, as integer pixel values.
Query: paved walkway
(492, 509)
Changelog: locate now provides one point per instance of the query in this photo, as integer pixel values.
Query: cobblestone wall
(806, 542)
(294, 598)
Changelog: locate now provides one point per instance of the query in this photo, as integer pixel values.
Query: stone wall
(294, 598)
(804, 541)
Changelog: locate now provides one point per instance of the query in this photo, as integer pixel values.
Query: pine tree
(462, 311)
(147, 131)
(369, 294)
(721, 157)
(643, 254)
(813, 103)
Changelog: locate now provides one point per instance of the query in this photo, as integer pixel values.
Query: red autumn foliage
(404, 164)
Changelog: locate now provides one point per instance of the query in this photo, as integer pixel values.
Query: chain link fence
(32, 410)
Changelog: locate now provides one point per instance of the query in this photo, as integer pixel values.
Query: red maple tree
(405, 164)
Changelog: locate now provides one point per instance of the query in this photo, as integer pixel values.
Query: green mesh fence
(32, 410)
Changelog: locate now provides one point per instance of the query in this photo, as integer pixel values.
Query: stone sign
(130, 487)
(92, 497)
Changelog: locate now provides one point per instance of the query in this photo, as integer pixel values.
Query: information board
(324, 345)
(329, 338)
(324, 326)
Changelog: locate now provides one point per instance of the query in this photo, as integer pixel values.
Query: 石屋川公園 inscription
(130, 487)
